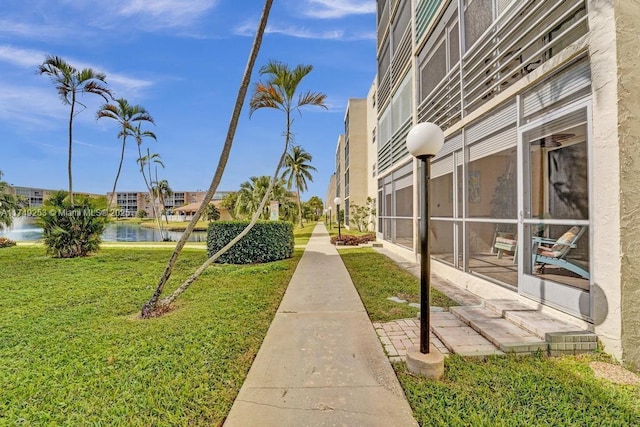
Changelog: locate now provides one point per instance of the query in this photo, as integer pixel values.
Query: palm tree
(9, 204)
(151, 307)
(162, 190)
(71, 82)
(147, 161)
(125, 114)
(252, 193)
(277, 92)
(297, 171)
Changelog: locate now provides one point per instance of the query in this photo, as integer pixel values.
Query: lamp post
(424, 141)
(330, 219)
(337, 201)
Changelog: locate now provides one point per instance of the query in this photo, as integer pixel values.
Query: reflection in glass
(493, 253)
(441, 196)
(558, 175)
(441, 240)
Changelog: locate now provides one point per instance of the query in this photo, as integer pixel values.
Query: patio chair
(553, 252)
(506, 242)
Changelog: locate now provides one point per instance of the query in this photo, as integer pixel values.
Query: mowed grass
(499, 391)
(520, 391)
(73, 351)
(302, 235)
(376, 277)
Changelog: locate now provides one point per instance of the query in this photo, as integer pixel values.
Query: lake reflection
(25, 229)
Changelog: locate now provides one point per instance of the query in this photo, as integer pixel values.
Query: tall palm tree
(278, 92)
(151, 307)
(70, 83)
(298, 171)
(125, 114)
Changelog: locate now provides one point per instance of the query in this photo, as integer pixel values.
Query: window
(441, 53)
(395, 206)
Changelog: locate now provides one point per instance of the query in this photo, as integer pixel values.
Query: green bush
(267, 241)
(71, 231)
(5, 243)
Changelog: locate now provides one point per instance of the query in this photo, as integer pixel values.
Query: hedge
(267, 241)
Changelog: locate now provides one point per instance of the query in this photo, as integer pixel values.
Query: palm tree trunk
(299, 207)
(166, 302)
(73, 104)
(150, 307)
(152, 194)
(115, 182)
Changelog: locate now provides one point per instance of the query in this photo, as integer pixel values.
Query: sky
(182, 60)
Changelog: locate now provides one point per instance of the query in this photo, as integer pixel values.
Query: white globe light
(337, 200)
(425, 140)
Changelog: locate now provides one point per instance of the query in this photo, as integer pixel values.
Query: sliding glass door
(554, 257)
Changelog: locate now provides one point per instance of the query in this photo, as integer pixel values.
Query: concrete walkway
(321, 362)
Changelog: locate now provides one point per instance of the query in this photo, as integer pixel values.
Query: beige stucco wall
(331, 194)
(605, 184)
(627, 19)
(358, 151)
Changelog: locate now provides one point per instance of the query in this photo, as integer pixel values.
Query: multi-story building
(35, 197)
(130, 202)
(352, 158)
(539, 104)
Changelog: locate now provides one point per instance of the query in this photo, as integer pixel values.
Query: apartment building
(353, 159)
(130, 202)
(35, 197)
(533, 195)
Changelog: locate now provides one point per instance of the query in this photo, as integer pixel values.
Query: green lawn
(376, 278)
(498, 391)
(73, 352)
(303, 234)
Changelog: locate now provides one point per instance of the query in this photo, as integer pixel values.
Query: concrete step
(459, 338)
(506, 336)
(563, 338)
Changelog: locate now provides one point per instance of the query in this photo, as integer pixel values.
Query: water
(25, 229)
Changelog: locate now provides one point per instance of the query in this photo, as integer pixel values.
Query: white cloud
(27, 58)
(21, 57)
(248, 29)
(31, 105)
(165, 13)
(329, 9)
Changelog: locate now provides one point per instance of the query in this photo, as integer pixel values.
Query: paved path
(321, 362)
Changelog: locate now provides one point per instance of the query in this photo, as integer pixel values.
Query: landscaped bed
(498, 391)
(74, 352)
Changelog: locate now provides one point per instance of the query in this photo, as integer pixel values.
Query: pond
(25, 229)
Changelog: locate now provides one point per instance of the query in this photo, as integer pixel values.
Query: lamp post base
(430, 365)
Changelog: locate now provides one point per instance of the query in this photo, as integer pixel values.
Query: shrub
(350, 240)
(71, 231)
(267, 241)
(142, 214)
(5, 243)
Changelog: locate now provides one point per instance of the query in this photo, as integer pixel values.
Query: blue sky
(182, 60)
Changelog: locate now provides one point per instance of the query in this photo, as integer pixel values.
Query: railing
(401, 58)
(516, 44)
(443, 105)
(384, 90)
